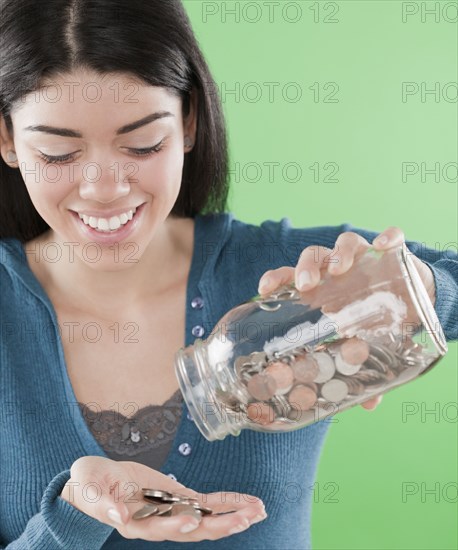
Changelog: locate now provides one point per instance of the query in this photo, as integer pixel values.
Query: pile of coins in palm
(164, 503)
(310, 383)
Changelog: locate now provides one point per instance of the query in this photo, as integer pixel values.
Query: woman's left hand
(313, 263)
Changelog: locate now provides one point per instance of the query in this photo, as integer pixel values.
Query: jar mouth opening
(420, 298)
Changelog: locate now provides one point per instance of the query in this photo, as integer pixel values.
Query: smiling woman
(116, 250)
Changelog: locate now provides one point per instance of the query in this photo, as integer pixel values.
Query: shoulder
(277, 241)
(10, 256)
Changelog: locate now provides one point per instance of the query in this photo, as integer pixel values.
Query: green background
(367, 132)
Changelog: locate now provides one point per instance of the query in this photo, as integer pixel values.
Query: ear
(6, 144)
(190, 122)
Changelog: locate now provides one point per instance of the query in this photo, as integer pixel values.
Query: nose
(103, 183)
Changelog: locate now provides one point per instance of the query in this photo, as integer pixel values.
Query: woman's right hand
(98, 484)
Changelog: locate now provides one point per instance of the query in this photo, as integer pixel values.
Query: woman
(110, 123)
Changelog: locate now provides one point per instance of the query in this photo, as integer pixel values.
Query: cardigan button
(189, 417)
(197, 302)
(198, 331)
(171, 476)
(185, 449)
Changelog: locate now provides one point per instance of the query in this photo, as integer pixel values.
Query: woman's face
(82, 149)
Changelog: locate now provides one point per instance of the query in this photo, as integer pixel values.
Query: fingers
(392, 236)
(348, 246)
(274, 278)
(311, 256)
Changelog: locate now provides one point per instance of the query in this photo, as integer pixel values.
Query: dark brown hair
(153, 41)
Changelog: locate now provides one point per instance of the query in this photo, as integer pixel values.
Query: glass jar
(291, 358)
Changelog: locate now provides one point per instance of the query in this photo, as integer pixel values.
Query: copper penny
(354, 351)
(262, 386)
(312, 386)
(283, 376)
(261, 413)
(305, 368)
(302, 398)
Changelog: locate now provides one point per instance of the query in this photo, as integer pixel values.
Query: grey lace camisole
(144, 437)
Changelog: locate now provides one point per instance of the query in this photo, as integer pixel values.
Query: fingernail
(264, 283)
(304, 279)
(188, 527)
(381, 240)
(115, 516)
(259, 517)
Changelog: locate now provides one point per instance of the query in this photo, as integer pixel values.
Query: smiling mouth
(107, 225)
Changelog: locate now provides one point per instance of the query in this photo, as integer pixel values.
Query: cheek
(162, 176)
(47, 185)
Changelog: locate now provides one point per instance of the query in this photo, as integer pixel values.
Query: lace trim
(149, 428)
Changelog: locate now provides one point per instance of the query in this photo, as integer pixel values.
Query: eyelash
(146, 152)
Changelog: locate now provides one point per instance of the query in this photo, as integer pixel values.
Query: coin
(370, 377)
(312, 386)
(241, 363)
(155, 493)
(326, 366)
(344, 367)
(145, 512)
(354, 386)
(354, 351)
(302, 397)
(258, 357)
(283, 376)
(164, 508)
(281, 405)
(261, 413)
(335, 390)
(180, 509)
(305, 368)
(262, 387)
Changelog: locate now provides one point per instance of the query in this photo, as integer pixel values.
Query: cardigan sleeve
(59, 525)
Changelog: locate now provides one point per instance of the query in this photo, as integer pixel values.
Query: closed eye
(145, 152)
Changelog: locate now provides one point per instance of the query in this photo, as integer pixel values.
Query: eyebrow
(67, 132)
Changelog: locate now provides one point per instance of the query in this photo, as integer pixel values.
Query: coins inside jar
(298, 385)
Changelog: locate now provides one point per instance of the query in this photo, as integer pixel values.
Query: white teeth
(107, 225)
(103, 224)
(114, 223)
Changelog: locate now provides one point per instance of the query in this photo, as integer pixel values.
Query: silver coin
(354, 386)
(145, 512)
(241, 364)
(164, 509)
(335, 390)
(326, 366)
(157, 493)
(345, 368)
(370, 377)
(266, 306)
(384, 354)
(258, 357)
(281, 405)
(180, 509)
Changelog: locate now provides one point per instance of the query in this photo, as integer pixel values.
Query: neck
(162, 265)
